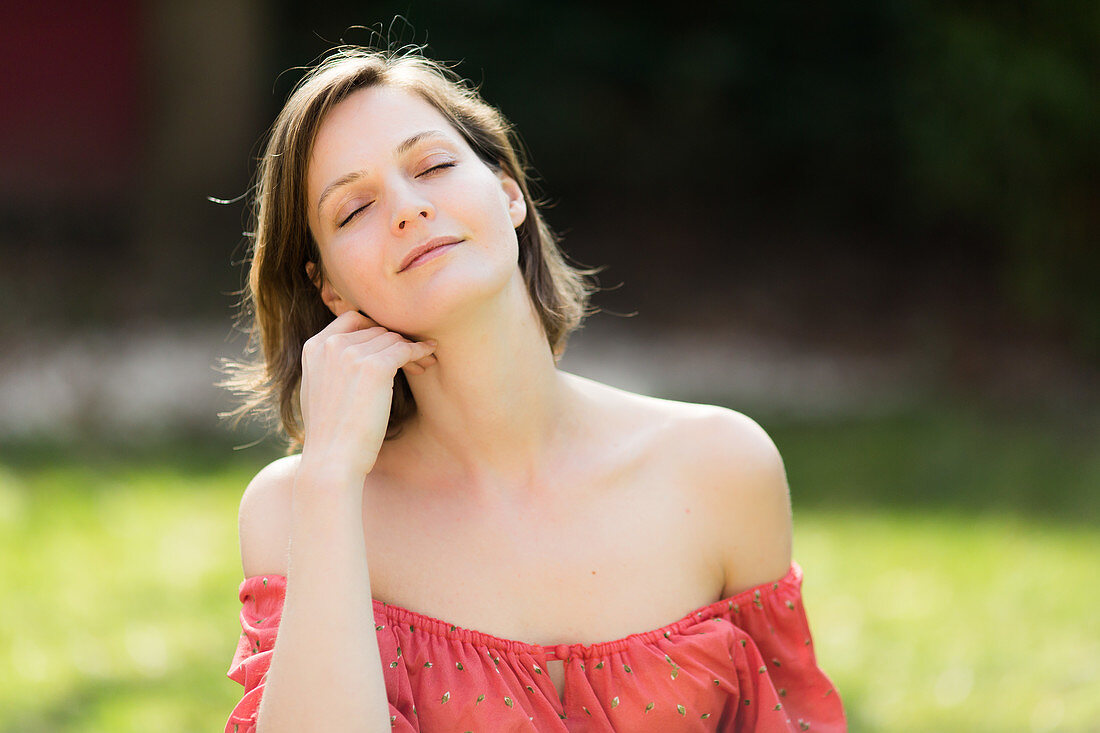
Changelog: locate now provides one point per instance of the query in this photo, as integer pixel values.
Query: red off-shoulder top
(743, 663)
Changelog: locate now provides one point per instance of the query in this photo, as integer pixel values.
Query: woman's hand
(348, 369)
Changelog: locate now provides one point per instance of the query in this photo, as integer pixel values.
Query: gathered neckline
(440, 627)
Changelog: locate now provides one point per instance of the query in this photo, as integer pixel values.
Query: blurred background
(872, 227)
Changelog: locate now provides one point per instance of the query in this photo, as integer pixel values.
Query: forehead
(365, 127)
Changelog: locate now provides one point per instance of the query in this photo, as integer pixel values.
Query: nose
(403, 220)
(410, 208)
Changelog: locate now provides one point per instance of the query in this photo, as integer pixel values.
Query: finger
(405, 352)
(380, 341)
(419, 366)
(361, 336)
(346, 322)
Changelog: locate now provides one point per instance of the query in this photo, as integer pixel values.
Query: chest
(625, 556)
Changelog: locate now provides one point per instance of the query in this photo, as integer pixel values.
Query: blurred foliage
(998, 111)
(941, 149)
(952, 135)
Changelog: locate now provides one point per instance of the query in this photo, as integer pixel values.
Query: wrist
(330, 465)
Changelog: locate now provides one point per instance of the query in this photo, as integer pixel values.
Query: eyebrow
(400, 150)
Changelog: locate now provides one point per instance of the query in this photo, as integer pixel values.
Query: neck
(490, 411)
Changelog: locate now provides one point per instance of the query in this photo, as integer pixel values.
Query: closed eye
(437, 167)
(361, 208)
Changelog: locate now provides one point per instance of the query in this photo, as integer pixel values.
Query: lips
(426, 247)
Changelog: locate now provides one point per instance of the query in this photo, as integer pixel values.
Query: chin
(454, 293)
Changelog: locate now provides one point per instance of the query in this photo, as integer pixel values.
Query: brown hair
(281, 308)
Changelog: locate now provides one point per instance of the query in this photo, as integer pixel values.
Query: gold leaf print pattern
(616, 700)
(675, 667)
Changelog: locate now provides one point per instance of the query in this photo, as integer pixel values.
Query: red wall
(70, 99)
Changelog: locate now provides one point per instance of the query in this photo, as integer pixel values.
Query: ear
(331, 298)
(517, 206)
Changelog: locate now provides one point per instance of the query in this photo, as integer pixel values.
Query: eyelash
(433, 168)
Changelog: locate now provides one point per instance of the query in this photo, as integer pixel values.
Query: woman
(411, 304)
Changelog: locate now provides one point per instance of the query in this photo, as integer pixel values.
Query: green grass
(951, 562)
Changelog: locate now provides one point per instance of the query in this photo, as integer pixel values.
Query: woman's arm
(326, 670)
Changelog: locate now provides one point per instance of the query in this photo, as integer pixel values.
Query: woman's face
(374, 194)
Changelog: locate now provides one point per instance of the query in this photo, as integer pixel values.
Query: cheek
(355, 273)
(484, 195)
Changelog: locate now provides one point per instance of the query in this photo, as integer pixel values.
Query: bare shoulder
(264, 518)
(734, 470)
(739, 472)
(727, 463)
